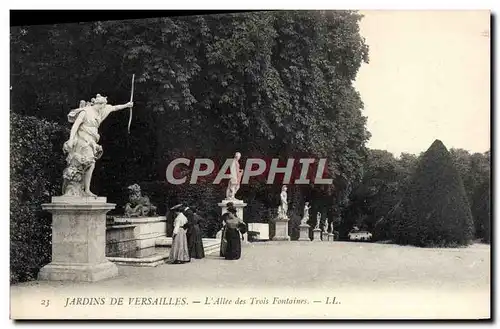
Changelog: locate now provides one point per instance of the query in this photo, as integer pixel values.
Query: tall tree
(436, 211)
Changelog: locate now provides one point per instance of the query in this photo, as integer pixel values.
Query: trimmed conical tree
(435, 209)
(481, 211)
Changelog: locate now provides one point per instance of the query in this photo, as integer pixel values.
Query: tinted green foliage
(436, 211)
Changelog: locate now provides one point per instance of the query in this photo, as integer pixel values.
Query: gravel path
(288, 279)
(310, 265)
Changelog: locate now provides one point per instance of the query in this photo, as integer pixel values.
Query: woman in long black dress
(223, 241)
(233, 229)
(195, 241)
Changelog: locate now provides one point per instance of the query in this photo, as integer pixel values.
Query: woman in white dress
(179, 253)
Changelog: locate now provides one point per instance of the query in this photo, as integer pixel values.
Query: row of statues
(283, 212)
(326, 226)
(82, 151)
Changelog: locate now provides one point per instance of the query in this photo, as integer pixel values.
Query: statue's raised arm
(81, 148)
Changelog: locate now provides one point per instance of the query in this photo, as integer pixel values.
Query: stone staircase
(160, 253)
(210, 245)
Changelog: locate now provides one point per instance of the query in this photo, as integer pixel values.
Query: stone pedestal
(281, 229)
(324, 236)
(262, 228)
(239, 205)
(317, 235)
(304, 232)
(331, 237)
(78, 240)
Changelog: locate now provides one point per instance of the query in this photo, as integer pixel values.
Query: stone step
(159, 257)
(210, 245)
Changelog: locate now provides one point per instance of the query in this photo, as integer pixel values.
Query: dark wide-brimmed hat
(177, 207)
(232, 209)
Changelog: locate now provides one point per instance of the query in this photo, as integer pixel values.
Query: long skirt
(223, 242)
(233, 247)
(179, 252)
(195, 243)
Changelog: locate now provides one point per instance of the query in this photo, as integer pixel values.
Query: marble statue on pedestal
(281, 222)
(283, 208)
(234, 182)
(81, 148)
(305, 218)
(318, 220)
(325, 225)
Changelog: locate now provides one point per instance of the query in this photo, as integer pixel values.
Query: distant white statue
(283, 208)
(318, 220)
(305, 218)
(234, 182)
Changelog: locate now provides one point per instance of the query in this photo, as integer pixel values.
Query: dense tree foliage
(475, 171)
(375, 201)
(474, 168)
(481, 210)
(268, 84)
(381, 188)
(435, 209)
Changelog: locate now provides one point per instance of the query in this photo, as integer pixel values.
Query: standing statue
(283, 208)
(81, 148)
(318, 220)
(305, 218)
(236, 173)
(325, 225)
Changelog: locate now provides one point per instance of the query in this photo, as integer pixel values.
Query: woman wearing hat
(179, 253)
(223, 241)
(232, 234)
(194, 235)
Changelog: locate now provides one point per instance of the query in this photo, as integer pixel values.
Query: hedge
(36, 165)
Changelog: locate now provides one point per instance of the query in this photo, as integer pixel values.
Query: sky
(428, 78)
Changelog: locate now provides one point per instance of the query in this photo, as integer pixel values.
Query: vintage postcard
(289, 164)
